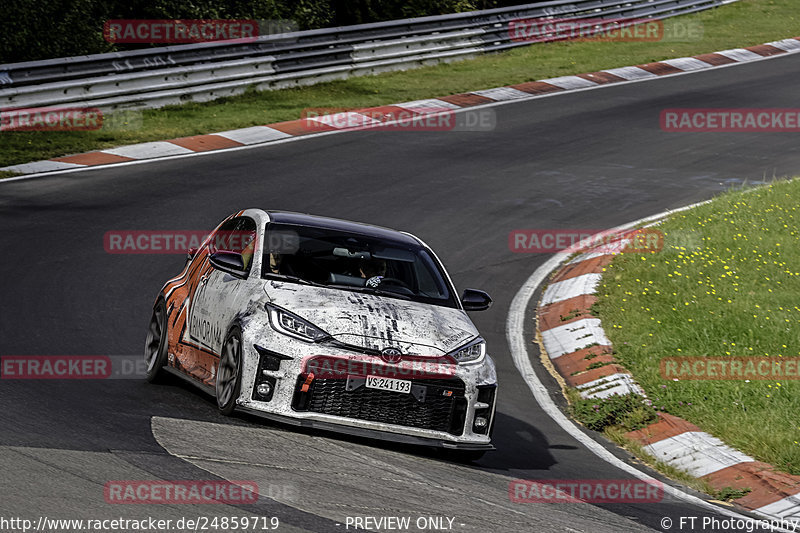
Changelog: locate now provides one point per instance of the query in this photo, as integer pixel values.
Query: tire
(155, 347)
(229, 373)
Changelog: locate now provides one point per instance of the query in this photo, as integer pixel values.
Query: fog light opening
(264, 389)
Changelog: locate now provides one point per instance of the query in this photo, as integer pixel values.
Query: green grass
(744, 23)
(726, 284)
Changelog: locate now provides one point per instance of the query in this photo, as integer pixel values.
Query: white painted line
(502, 93)
(253, 135)
(790, 45)
(41, 166)
(345, 120)
(697, 453)
(631, 73)
(573, 337)
(610, 385)
(786, 508)
(740, 54)
(569, 288)
(518, 345)
(149, 150)
(687, 63)
(570, 82)
(431, 105)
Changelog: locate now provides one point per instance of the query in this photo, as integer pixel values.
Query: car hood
(376, 322)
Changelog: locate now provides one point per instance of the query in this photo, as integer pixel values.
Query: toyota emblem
(391, 355)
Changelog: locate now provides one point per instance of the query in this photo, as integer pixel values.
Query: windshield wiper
(297, 279)
(380, 292)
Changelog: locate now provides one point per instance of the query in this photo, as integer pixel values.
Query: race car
(332, 324)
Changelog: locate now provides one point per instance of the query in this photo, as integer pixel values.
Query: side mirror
(229, 262)
(475, 300)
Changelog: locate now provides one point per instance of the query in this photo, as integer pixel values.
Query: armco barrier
(206, 71)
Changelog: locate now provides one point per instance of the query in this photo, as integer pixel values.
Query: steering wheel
(395, 281)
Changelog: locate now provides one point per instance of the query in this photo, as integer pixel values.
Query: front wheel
(229, 373)
(155, 347)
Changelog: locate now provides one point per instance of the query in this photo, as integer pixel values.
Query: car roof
(304, 219)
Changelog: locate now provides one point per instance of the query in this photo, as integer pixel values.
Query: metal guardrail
(200, 72)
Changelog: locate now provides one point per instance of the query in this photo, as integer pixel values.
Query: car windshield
(355, 262)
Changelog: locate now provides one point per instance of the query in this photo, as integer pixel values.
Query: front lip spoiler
(367, 433)
(340, 428)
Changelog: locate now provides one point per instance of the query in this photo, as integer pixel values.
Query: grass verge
(744, 23)
(725, 285)
(8, 174)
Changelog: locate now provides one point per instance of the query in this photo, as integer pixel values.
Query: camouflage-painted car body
(204, 303)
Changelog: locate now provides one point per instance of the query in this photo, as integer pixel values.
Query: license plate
(390, 384)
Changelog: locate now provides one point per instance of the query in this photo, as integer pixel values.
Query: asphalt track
(592, 159)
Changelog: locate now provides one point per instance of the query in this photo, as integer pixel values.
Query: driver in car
(373, 271)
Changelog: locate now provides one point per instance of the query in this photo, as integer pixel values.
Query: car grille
(437, 411)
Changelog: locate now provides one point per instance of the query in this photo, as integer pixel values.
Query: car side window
(236, 235)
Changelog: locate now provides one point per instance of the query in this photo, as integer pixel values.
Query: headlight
(294, 326)
(473, 352)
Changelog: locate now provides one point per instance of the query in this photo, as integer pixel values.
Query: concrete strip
(630, 73)
(253, 135)
(561, 290)
(502, 93)
(687, 63)
(573, 337)
(790, 45)
(783, 509)
(739, 54)
(696, 452)
(41, 166)
(149, 150)
(615, 384)
(431, 105)
(570, 82)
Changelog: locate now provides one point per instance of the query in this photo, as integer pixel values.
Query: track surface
(591, 159)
